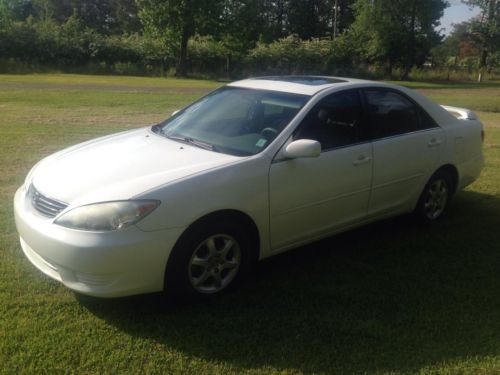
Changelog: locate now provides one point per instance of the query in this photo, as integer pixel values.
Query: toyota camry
(250, 170)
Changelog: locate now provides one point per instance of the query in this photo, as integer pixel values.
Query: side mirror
(303, 148)
(175, 112)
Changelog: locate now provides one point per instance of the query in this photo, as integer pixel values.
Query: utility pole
(335, 19)
(488, 19)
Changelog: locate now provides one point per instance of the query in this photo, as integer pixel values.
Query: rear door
(407, 144)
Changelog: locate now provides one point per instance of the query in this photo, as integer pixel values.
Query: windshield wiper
(191, 141)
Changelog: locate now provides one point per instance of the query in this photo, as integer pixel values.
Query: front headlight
(107, 216)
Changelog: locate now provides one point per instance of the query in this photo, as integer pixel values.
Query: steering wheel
(268, 133)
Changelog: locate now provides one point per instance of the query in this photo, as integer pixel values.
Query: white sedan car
(252, 169)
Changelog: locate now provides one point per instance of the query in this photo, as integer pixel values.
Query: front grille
(46, 206)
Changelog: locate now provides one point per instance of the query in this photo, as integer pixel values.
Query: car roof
(311, 85)
(305, 85)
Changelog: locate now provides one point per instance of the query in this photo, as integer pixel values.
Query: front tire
(435, 197)
(208, 260)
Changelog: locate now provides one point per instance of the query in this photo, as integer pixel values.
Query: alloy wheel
(214, 263)
(436, 199)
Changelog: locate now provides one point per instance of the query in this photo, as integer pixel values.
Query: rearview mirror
(303, 148)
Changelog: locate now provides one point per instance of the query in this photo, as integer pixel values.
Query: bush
(292, 55)
(70, 47)
(207, 56)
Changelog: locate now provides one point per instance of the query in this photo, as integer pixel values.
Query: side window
(426, 121)
(390, 114)
(334, 122)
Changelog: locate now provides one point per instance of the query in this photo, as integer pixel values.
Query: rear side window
(425, 120)
(390, 114)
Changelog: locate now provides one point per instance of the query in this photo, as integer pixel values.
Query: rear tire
(209, 259)
(435, 197)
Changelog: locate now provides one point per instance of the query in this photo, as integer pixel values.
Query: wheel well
(453, 172)
(234, 216)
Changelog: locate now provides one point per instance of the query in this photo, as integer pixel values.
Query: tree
(457, 50)
(485, 30)
(242, 23)
(179, 20)
(342, 16)
(309, 18)
(14, 10)
(105, 16)
(124, 17)
(305, 18)
(397, 33)
(6, 15)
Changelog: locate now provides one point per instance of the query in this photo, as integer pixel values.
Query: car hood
(120, 166)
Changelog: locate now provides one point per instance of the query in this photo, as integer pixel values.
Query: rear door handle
(361, 160)
(434, 142)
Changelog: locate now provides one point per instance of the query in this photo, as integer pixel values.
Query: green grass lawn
(393, 297)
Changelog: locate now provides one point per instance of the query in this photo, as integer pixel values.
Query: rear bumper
(470, 171)
(103, 264)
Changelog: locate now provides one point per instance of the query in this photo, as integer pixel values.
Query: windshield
(233, 120)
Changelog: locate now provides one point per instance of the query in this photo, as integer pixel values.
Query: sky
(456, 13)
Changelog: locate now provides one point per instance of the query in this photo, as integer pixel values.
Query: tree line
(244, 37)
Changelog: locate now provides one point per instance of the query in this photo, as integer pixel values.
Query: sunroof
(304, 80)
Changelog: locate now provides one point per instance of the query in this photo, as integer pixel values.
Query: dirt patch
(101, 87)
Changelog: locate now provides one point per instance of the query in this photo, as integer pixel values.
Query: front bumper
(103, 264)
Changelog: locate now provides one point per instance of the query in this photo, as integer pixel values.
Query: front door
(312, 196)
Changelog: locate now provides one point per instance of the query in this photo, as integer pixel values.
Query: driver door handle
(361, 160)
